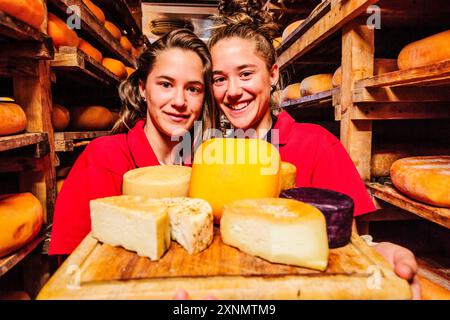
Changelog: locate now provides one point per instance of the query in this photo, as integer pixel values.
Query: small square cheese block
(278, 230)
(191, 222)
(157, 181)
(136, 223)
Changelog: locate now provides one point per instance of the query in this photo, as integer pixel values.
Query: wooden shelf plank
(320, 99)
(435, 74)
(399, 111)
(12, 28)
(314, 107)
(91, 25)
(389, 194)
(21, 140)
(308, 36)
(64, 141)
(8, 262)
(71, 59)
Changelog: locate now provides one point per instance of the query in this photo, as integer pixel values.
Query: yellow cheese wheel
(426, 179)
(113, 30)
(90, 118)
(21, 218)
(157, 181)
(125, 43)
(60, 33)
(381, 66)
(288, 175)
(12, 118)
(426, 51)
(277, 42)
(28, 11)
(87, 48)
(315, 84)
(225, 170)
(382, 160)
(95, 10)
(60, 117)
(291, 92)
(115, 66)
(290, 28)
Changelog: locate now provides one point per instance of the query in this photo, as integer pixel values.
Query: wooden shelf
(8, 262)
(64, 141)
(323, 22)
(92, 26)
(75, 65)
(312, 105)
(21, 140)
(389, 194)
(12, 28)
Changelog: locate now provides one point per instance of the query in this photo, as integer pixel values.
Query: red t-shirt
(321, 160)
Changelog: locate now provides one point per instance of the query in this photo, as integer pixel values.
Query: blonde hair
(134, 107)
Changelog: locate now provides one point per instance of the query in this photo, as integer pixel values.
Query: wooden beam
(336, 18)
(399, 111)
(401, 94)
(21, 140)
(357, 63)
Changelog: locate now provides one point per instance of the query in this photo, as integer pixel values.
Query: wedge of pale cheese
(278, 230)
(191, 222)
(157, 181)
(136, 223)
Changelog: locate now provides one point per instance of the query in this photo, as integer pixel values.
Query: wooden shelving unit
(22, 140)
(66, 141)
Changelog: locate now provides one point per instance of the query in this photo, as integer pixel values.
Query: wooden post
(357, 63)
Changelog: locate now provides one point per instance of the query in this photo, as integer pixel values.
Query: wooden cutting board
(100, 271)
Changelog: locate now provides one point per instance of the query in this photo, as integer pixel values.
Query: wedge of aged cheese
(157, 181)
(225, 170)
(278, 230)
(191, 223)
(425, 179)
(315, 84)
(426, 51)
(288, 175)
(136, 223)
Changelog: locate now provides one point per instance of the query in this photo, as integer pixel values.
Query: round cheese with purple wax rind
(335, 206)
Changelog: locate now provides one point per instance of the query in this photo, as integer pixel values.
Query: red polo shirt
(97, 173)
(321, 160)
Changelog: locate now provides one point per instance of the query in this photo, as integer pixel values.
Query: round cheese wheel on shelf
(87, 48)
(425, 179)
(28, 11)
(277, 42)
(21, 218)
(382, 160)
(95, 10)
(291, 92)
(60, 117)
(426, 51)
(315, 84)
(12, 117)
(336, 207)
(115, 32)
(130, 71)
(60, 33)
(291, 28)
(381, 66)
(125, 43)
(90, 118)
(157, 181)
(115, 66)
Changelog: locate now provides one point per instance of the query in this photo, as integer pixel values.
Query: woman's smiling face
(241, 82)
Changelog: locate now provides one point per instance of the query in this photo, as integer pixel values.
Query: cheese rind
(133, 222)
(278, 230)
(157, 181)
(191, 223)
(425, 179)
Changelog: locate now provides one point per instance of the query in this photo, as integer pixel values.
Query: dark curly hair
(245, 19)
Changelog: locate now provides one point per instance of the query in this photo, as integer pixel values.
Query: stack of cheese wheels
(60, 117)
(87, 48)
(426, 51)
(21, 218)
(381, 66)
(426, 179)
(315, 84)
(291, 92)
(12, 117)
(278, 230)
(90, 118)
(288, 175)
(241, 168)
(60, 33)
(335, 206)
(28, 11)
(157, 181)
(290, 28)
